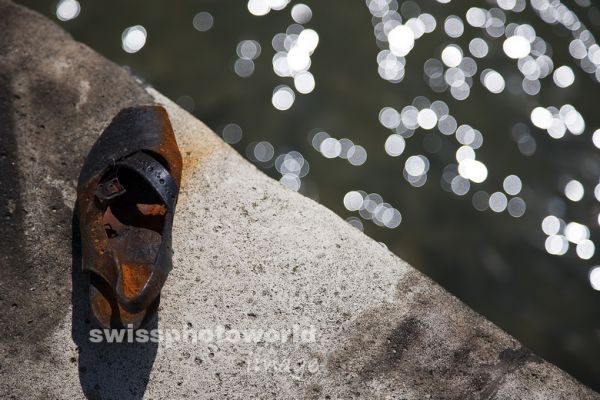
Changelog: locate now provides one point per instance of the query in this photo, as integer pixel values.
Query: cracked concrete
(249, 254)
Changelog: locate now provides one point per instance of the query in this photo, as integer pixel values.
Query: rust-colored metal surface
(127, 193)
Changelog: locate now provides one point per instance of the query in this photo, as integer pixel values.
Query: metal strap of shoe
(151, 171)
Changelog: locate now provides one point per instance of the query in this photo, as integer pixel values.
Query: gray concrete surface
(249, 254)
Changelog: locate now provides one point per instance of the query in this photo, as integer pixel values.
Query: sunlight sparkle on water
(67, 10)
(516, 47)
(402, 40)
(134, 38)
(594, 276)
(283, 97)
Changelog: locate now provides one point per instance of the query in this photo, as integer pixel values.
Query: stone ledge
(248, 254)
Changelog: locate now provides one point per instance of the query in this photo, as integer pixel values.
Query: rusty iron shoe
(127, 192)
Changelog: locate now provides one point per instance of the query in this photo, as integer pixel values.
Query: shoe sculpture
(127, 192)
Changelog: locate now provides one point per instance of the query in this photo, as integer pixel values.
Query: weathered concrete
(248, 254)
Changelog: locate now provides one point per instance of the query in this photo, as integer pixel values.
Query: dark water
(535, 282)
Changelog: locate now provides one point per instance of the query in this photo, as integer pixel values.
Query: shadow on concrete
(106, 370)
(20, 304)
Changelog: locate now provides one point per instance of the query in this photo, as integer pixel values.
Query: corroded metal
(127, 193)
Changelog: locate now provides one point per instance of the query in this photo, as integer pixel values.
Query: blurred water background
(464, 136)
